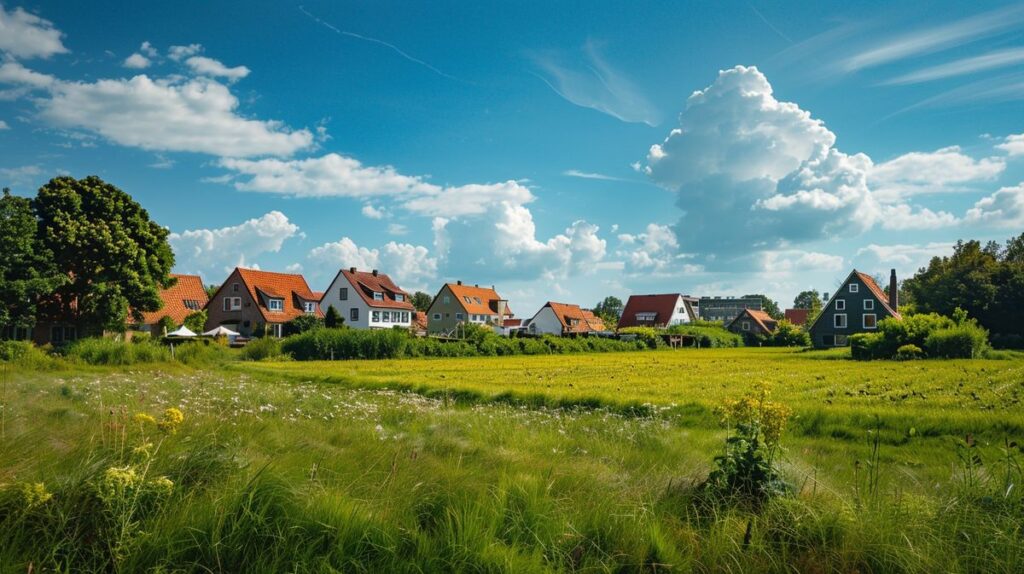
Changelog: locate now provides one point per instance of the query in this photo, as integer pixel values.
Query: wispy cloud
(379, 42)
(590, 175)
(1006, 88)
(597, 85)
(973, 65)
(937, 38)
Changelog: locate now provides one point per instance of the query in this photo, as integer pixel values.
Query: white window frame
(746, 325)
(459, 316)
(854, 288)
(378, 296)
(869, 304)
(399, 297)
(232, 303)
(437, 316)
(375, 316)
(447, 299)
(309, 306)
(864, 320)
(277, 330)
(840, 304)
(467, 299)
(835, 321)
(279, 304)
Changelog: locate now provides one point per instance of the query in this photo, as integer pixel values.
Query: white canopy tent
(220, 331)
(182, 331)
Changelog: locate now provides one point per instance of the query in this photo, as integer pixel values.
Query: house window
(854, 287)
(447, 299)
(378, 296)
(842, 341)
(458, 316)
(405, 316)
(353, 314)
(681, 310)
(478, 301)
(746, 325)
(375, 316)
(645, 317)
(399, 297)
(437, 316)
(869, 304)
(192, 304)
(276, 329)
(343, 294)
(309, 306)
(870, 321)
(839, 320)
(232, 303)
(387, 316)
(840, 304)
(234, 287)
(275, 304)
(466, 298)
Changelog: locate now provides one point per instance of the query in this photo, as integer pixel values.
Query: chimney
(351, 269)
(477, 285)
(501, 306)
(894, 292)
(374, 272)
(459, 282)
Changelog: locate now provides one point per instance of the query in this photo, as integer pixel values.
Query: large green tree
(421, 301)
(767, 305)
(609, 309)
(27, 272)
(114, 257)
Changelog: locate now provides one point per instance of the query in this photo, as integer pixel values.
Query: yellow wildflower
(162, 485)
(119, 479)
(144, 450)
(144, 419)
(34, 494)
(171, 420)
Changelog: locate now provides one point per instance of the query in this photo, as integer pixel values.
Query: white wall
(545, 322)
(333, 297)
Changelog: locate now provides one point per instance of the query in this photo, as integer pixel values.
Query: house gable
(856, 307)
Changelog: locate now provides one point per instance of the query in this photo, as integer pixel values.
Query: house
(856, 307)
(182, 299)
(658, 310)
(457, 304)
(564, 319)
(511, 327)
(419, 323)
(752, 322)
(254, 302)
(798, 317)
(725, 309)
(368, 300)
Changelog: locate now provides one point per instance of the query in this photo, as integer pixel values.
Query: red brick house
(254, 302)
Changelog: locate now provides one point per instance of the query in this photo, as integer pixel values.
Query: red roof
(797, 316)
(366, 283)
(184, 298)
(663, 306)
(882, 296)
(477, 300)
(290, 287)
(763, 320)
(574, 319)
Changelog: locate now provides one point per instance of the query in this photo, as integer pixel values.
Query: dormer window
(466, 298)
(378, 296)
(478, 301)
(854, 287)
(191, 304)
(399, 297)
(309, 306)
(275, 304)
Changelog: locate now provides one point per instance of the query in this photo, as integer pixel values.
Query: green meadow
(567, 463)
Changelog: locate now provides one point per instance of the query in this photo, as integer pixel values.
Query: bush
(707, 334)
(202, 353)
(333, 319)
(867, 346)
(965, 341)
(97, 351)
(909, 353)
(25, 354)
(303, 323)
(261, 349)
(322, 344)
(787, 335)
(196, 321)
(649, 336)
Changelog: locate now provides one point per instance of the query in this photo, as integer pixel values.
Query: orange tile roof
(188, 288)
(288, 286)
(797, 316)
(763, 320)
(567, 313)
(467, 296)
(366, 283)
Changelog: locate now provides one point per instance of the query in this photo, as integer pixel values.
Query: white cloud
(595, 84)
(209, 67)
(1013, 145)
(25, 35)
(903, 217)
(471, 199)
(589, 175)
(654, 250)
(136, 62)
(293, 268)
(943, 170)
(4, 126)
(790, 260)
(1004, 208)
(215, 251)
(411, 266)
(372, 212)
(196, 115)
(15, 73)
(906, 256)
(179, 53)
(972, 65)
(397, 229)
(148, 49)
(19, 175)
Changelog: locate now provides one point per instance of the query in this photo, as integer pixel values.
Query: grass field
(521, 464)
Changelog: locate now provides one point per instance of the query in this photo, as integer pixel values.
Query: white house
(662, 310)
(563, 319)
(368, 300)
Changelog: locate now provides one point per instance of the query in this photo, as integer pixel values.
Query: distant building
(185, 297)
(457, 304)
(725, 309)
(254, 302)
(368, 300)
(564, 319)
(662, 310)
(856, 307)
(752, 322)
(798, 316)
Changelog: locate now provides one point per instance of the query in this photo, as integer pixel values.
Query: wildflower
(117, 480)
(144, 450)
(171, 420)
(162, 485)
(34, 494)
(144, 419)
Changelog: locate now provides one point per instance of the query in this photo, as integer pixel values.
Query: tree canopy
(27, 272)
(114, 257)
(421, 300)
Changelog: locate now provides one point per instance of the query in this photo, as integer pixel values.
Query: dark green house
(857, 307)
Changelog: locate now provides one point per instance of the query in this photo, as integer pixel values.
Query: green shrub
(912, 330)
(964, 341)
(25, 354)
(98, 351)
(867, 346)
(650, 336)
(202, 353)
(909, 353)
(196, 321)
(261, 349)
(787, 335)
(303, 323)
(322, 344)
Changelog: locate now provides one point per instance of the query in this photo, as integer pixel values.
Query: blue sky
(561, 152)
